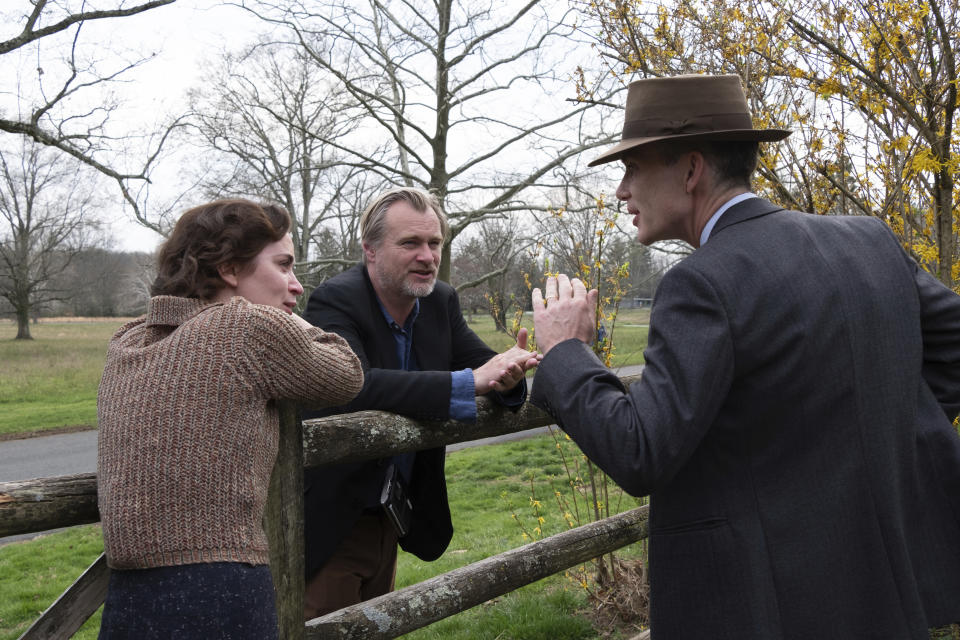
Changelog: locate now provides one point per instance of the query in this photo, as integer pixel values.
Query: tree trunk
(945, 232)
(23, 324)
(443, 273)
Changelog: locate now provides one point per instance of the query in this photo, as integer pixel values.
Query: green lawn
(51, 381)
(629, 334)
(33, 574)
(486, 486)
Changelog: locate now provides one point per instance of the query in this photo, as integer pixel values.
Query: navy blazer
(336, 495)
(793, 429)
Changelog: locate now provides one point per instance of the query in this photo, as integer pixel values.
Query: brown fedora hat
(690, 107)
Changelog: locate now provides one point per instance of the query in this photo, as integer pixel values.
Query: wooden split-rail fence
(48, 503)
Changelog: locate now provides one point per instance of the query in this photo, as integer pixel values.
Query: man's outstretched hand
(505, 370)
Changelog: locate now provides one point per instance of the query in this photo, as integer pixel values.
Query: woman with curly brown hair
(188, 426)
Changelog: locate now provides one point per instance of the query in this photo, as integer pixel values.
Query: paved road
(48, 456)
(73, 453)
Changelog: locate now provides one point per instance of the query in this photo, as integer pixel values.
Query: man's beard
(419, 289)
(398, 282)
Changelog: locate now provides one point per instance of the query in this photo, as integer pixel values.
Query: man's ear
(369, 251)
(228, 273)
(696, 164)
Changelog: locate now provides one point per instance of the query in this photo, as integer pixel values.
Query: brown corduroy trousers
(363, 566)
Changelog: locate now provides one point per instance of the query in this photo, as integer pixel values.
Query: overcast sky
(183, 35)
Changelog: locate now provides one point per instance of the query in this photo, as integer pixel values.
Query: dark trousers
(208, 601)
(362, 567)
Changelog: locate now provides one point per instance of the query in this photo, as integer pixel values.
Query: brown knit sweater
(188, 426)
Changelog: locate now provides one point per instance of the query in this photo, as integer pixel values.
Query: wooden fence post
(283, 522)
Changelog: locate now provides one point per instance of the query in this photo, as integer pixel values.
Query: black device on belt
(394, 501)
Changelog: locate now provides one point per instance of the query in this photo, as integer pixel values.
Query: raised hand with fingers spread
(567, 311)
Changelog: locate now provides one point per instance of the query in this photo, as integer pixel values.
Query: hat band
(655, 127)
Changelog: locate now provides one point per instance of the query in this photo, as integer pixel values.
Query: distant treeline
(97, 282)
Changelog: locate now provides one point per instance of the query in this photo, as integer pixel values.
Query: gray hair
(373, 222)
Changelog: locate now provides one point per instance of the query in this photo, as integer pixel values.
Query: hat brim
(757, 135)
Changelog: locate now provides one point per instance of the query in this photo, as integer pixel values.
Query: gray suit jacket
(793, 428)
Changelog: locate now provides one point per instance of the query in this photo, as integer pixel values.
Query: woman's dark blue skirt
(218, 600)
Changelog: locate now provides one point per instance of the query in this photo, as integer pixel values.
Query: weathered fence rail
(37, 505)
(377, 434)
(418, 605)
(47, 503)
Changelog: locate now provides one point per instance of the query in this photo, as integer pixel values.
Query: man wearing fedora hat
(793, 421)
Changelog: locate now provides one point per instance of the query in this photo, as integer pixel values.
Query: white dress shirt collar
(716, 216)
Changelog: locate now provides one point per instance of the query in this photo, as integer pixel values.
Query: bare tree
(47, 204)
(62, 102)
(265, 121)
(489, 269)
(589, 236)
(471, 97)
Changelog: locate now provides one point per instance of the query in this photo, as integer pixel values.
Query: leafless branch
(31, 33)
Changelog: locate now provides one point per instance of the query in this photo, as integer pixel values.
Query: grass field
(33, 574)
(486, 485)
(51, 382)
